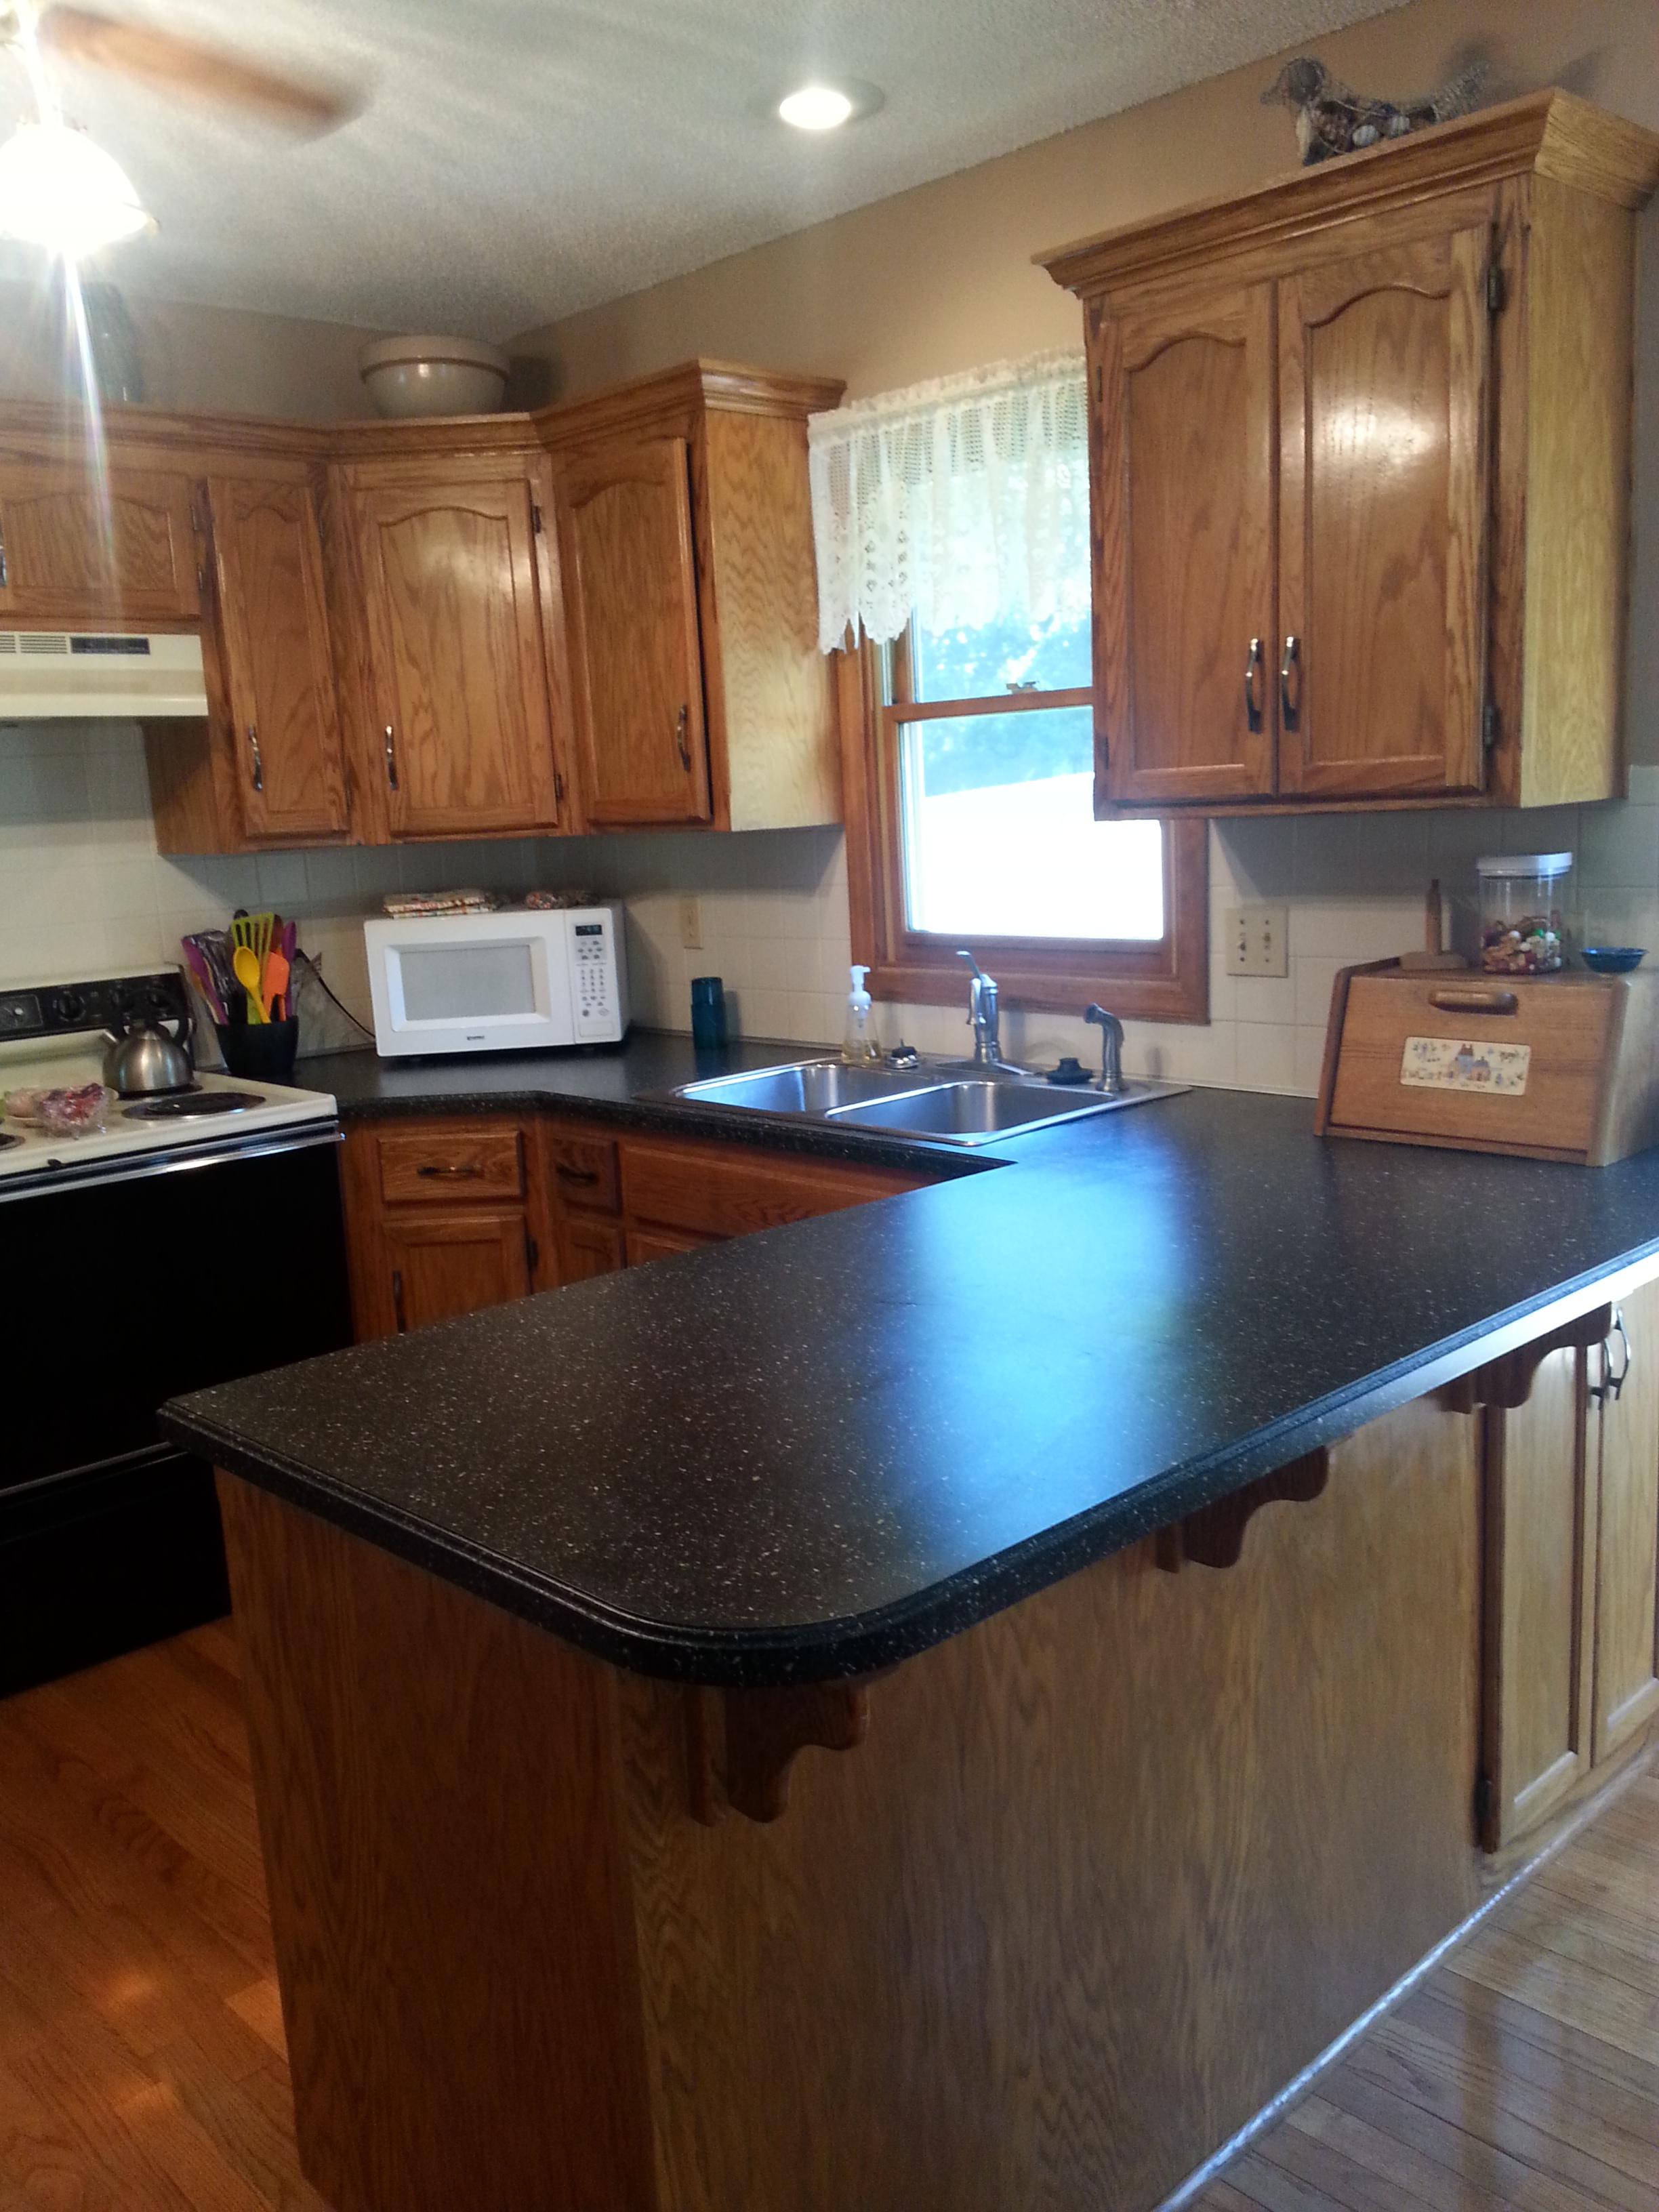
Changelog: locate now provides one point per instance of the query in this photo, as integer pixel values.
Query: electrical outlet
(692, 924)
(1258, 940)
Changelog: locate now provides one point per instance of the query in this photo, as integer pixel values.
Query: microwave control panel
(598, 1013)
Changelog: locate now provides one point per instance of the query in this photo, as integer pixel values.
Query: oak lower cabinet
(1570, 1443)
(454, 589)
(698, 692)
(446, 1214)
(443, 1217)
(76, 552)
(1360, 464)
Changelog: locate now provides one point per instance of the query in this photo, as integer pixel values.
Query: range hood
(60, 675)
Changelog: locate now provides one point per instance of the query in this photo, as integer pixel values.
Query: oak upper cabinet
(1360, 473)
(630, 603)
(1184, 591)
(698, 693)
(1384, 432)
(456, 594)
(277, 668)
(75, 552)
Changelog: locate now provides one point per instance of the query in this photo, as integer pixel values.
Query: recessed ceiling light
(824, 106)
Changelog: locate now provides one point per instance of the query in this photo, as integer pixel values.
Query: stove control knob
(67, 1007)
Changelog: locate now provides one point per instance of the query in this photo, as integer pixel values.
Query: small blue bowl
(1614, 959)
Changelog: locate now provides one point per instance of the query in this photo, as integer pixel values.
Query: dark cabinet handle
(397, 1300)
(576, 1175)
(1611, 1387)
(1290, 711)
(259, 765)
(469, 1169)
(684, 717)
(391, 750)
(1252, 695)
(1475, 1002)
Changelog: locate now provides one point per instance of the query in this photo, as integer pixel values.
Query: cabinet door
(441, 1264)
(631, 598)
(587, 1249)
(279, 670)
(1626, 1614)
(460, 695)
(1184, 613)
(1540, 1552)
(1383, 466)
(68, 555)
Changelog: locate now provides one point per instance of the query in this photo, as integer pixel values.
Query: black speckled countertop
(808, 1453)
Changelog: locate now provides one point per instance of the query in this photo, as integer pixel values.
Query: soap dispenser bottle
(858, 1047)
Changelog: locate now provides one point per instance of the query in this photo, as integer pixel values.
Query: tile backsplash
(83, 888)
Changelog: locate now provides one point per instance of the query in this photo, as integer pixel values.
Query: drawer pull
(681, 719)
(1475, 1002)
(259, 765)
(1289, 710)
(576, 1175)
(1610, 1388)
(398, 1313)
(391, 749)
(468, 1170)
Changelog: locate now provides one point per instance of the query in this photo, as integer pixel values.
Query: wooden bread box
(1550, 1067)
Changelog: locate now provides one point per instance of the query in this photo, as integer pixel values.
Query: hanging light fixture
(60, 191)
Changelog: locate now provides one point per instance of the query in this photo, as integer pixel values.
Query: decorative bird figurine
(1332, 120)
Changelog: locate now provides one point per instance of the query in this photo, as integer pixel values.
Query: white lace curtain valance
(964, 501)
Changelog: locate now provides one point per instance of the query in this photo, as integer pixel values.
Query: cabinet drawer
(584, 1171)
(719, 1197)
(431, 1165)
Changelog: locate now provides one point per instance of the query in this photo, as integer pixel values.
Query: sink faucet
(983, 1015)
(1110, 1082)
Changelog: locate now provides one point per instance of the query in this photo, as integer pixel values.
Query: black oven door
(122, 1293)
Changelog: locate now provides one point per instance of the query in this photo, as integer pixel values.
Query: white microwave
(528, 979)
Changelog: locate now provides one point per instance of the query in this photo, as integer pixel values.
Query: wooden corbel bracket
(742, 1744)
(1508, 1381)
(1214, 1535)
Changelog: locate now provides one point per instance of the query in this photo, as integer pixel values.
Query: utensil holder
(260, 1051)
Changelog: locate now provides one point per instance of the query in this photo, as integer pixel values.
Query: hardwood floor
(142, 2060)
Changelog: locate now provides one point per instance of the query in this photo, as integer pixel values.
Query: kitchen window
(952, 522)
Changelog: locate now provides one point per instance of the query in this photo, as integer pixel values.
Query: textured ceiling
(520, 159)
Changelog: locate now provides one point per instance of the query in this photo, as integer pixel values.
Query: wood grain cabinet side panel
(1627, 1572)
(630, 596)
(1085, 1898)
(278, 667)
(73, 555)
(449, 1906)
(1385, 444)
(775, 731)
(1185, 618)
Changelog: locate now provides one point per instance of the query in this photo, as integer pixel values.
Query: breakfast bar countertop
(803, 1455)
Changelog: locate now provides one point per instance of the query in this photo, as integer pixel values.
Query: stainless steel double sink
(947, 1104)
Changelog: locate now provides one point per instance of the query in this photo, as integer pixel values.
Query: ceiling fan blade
(174, 63)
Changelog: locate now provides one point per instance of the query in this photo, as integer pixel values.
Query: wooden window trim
(1165, 981)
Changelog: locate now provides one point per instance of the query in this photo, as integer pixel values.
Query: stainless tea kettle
(141, 1059)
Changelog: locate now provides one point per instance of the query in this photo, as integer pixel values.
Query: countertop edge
(837, 1648)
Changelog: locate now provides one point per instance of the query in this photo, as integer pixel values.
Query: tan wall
(941, 278)
(216, 359)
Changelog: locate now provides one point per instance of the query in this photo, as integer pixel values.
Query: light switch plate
(1258, 940)
(692, 924)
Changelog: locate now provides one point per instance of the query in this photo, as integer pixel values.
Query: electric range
(196, 1237)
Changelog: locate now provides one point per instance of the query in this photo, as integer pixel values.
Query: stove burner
(188, 1105)
(8, 1140)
